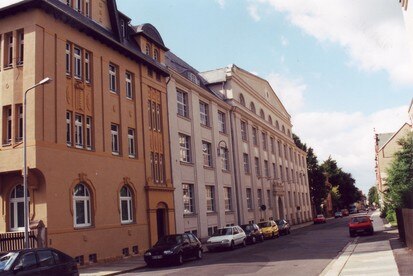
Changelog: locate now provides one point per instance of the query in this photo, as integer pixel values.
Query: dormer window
(78, 5)
(193, 78)
(148, 49)
(156, 55)
(122, 28)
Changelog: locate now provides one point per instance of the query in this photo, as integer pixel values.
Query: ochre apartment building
(97, 136)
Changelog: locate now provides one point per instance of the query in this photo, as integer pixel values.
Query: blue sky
(341, 67)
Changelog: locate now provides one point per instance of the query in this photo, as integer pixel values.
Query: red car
(319, 219)
(360, 224)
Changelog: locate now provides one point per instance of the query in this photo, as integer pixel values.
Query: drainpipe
(234, 156)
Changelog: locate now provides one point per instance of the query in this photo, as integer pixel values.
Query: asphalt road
(306, 251)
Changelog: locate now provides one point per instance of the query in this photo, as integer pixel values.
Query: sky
(340, 67)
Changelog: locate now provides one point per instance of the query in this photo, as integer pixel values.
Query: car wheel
(254, 240)
(278, 234)
(232, 245)
(262, 238)
(179, 259)
(289, 232)
(199, 255)
(273, 235)
(371, 232)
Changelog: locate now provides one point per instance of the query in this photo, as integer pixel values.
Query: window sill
(115, 153)
(189, 164)
(127, 223)
(229, 212)
(206, 126)
(85, 227)
(8, 67)
(132, 156)
(20, 64)
(209, 168)
(6, 144)
(186, 118)
(211, 213)
(226, 171)
(190, 215)
(114, 92)
(224, 133)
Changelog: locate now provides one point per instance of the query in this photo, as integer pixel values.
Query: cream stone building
(200, 131)
(270, 172)
(97, 136)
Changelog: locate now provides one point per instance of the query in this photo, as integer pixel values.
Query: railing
(15, 241)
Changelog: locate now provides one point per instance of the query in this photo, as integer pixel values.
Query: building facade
(97, 136)
(270, 172)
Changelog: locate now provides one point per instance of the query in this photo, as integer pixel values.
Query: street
(306, 251)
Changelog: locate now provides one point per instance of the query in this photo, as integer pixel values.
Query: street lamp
(26, 205)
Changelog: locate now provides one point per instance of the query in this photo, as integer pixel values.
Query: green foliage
(391, 216)
(298, 143)
(373, 195)
(316, 178)
(335, 198)
(399, 193)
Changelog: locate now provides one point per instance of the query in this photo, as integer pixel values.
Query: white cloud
(348, 138)
(371, 31)
(284, 41)
(290, 91)
(221, 3)
(253, 11)
(5, 3)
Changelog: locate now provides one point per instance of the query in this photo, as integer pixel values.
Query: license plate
(361, 230)
(157, 257)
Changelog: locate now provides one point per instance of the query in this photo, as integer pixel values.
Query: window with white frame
(89, 133)
(204, 113)
(264, 141)
(113, 78)
(82, 206)
(257, 166)
(20, 53)
(184, 148)
(8, 117)
(126, 205)
(259, 197)
(114, 128)
(77, 62)
(192, 77)
(128, 79)
(122, 28)
(87, 8)
(244, 131)
(182, 103)
(131, 143)
(19, 109)
(17, 208)
(78, 5)
(87, 66)
(68, 58)
(69, 128)
(156, 54)
(224, 158)
(249, 198)
(266, 169)
(210, 198)
(246, 159)
(228, 199)
(254, 136)
(147, 49)
(188, 198)
(222, 122)
(79, 131)
(8, 61)
(206, 152)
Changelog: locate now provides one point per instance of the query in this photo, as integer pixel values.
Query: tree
(373, 195)
(335, 198)
(399, 193)
(298, 143)
(316, 179)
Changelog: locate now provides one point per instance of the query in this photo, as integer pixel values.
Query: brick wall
(408, 226)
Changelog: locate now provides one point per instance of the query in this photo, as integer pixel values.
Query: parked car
(227, 237)
(37, 261)
(174, 249)
(360, 224)
(283, 226)
(253, 233)
(319, 219)
(269, 229)
(345, 212)
(338, 214)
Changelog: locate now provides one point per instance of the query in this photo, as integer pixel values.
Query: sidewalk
(365, 255)
(135, 262)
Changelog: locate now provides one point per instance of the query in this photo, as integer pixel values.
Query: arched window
(155, 54)
(148, 49)
(126, 205)
(252, 107)
(241, 99)
(270, 119)
(283, 129)
(81, 206)
(277, 126)
(17, 208)
(262, 115)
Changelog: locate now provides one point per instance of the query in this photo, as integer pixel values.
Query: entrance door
(161, 222)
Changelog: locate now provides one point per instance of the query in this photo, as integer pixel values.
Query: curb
(335, 267)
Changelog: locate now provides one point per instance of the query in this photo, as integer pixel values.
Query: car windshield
(279, 222)
(264, 224)
(360, 219)
(247, 228)
(320, 216)
(223, 232)
(7, 260)
(169, 240)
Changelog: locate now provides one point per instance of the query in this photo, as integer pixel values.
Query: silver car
(227, 237)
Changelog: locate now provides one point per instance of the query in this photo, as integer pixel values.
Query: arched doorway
(281, 208)
(162, 219)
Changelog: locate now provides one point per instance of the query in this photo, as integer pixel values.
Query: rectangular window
(269, 199)
(113, 78)
(282, 173)
(153, 115)
(204, 113)
(19, 117)
(188, 198)
(272, 145)
(224, 158)
(77, 62)
(182, 103)
(20, 40)
(279, 149)
(257, 166)
(87, 8)
(274, 170)
(158, 118)
(8, 61)
(228, 199)
(222, 122)
(259, 197)
(128, 79)
(161, 169)
(254, 136)
(244, 131)
(206, 151)
(210, 198)
(79, 131)
(87, 67)
(266, 169)
(156, 167)
(249, 198)
(131, 143)
(78, 5)
(89, 133)
(246, 163)
(185, 148)
(8, 129)
(264, 141)
(114, 128)
(68, 58)
(150, 114)
(69, 128)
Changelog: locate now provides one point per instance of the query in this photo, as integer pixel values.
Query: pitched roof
(383, 138)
